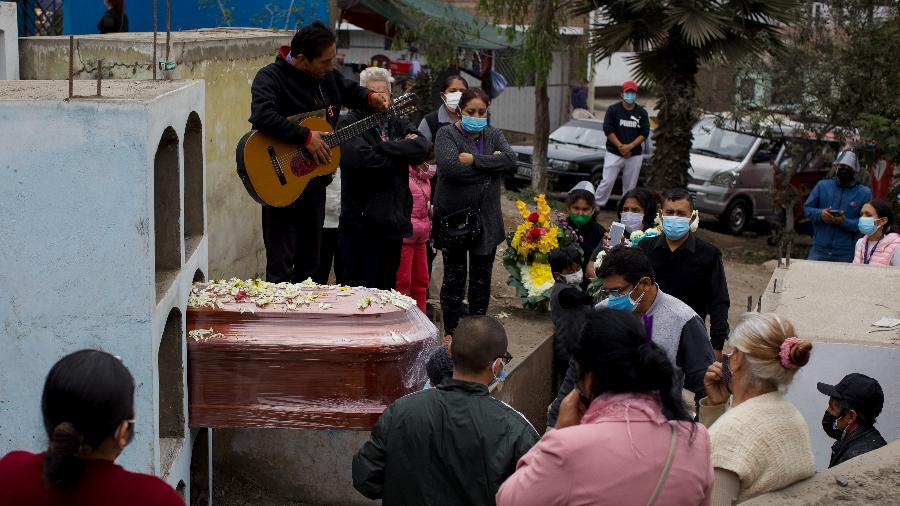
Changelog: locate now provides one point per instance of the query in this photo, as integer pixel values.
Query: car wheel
(596, 177)
(512, 184)
(737, 216)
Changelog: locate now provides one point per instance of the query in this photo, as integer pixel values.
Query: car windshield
(713, 141)
(579, 136)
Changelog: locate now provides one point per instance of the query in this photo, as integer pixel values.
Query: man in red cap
(626, 126)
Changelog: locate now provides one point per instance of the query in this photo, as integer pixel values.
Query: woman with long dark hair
(115, 19)
(612, 439)
(471, 158)
(880, 243)
(88, 411)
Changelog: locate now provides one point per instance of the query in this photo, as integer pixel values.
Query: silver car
(731, 175)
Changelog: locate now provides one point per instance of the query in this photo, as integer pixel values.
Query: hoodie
(838, 241)
(421, 210)
(281, 90)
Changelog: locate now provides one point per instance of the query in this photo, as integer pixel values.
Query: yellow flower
(523, 210)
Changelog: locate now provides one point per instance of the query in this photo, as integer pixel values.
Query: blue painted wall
(81, 16)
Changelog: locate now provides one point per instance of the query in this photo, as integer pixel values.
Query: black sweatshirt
(627, 125)
(375, 198)
(281, 90)
(693, 273)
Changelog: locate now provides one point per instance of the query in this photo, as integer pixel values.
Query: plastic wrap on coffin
(313, 369)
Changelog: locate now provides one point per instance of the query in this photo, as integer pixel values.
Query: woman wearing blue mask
(471, 158)
(879, 245)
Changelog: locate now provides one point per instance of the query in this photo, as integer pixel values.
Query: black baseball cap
(861, 392)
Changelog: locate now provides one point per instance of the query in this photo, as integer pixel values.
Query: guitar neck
(354, 129)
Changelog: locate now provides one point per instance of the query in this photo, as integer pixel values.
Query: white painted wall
(9, 41)
(613, 71)
(77, 263)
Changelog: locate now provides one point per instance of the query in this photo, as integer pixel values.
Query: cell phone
(616, 232)
(835, 212)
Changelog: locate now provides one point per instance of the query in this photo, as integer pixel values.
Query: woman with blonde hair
(761, 442)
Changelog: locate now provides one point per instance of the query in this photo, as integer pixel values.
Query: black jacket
(281, 90)
(450, 445)
(694, 274)
(112, 22)
(375, 198)
(853, 445)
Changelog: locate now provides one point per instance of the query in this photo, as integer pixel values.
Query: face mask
(500, 378)
(624, 302)
(866, 225)
(845, 175)
(675, 227)
(575, 278)
(829, 425)
(632, 221)
(580, 220)
(629, 97)
(451, 100)
(472, 124)
(726, 371)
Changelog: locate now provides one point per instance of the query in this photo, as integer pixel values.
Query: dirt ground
(749, 263)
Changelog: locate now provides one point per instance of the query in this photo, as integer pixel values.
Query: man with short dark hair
(627, 126)
(629, 284)
(302, 79)
(688, 267)
(580, 95)
(452, 444)
(853, 406)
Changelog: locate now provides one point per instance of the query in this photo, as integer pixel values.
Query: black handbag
(461, 229)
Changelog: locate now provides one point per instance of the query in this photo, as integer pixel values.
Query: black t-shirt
(112, 22)
(627, 125)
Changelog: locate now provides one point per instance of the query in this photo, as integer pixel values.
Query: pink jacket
(421, 211)
(616, 456)
(884, 252)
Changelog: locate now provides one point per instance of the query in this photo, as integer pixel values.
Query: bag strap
(665, 472)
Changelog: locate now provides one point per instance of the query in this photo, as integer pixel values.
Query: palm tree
(672, 39)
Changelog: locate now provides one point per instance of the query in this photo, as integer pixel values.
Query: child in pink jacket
(412, 275)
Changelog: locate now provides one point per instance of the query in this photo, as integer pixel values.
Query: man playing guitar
(302, 79)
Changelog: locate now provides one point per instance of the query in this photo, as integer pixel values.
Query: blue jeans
(825, 256)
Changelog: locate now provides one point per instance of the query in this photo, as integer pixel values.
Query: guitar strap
(303, 115)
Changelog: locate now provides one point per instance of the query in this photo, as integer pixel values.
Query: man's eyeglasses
(616, 292)
(506, 358)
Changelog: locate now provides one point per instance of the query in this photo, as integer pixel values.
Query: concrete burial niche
(94, 225)
(227, 60)
(9, 41)
(834, 305)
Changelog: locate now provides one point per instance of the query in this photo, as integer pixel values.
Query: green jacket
(453, 444)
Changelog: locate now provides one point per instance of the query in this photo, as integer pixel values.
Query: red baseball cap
(630, 86)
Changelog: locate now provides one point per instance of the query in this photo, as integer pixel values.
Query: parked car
(733, 174)
(575, 153)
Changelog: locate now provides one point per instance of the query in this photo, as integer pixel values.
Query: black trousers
(368, 260)
(293, 236)
(328, 256)
(480, 267)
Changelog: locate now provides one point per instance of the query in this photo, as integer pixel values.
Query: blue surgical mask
(866, 225)
(500, 378)
(623, 302)
(629, 97)
(472, 124)
(676, 227)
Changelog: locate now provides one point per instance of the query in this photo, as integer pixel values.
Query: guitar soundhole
(301, 166)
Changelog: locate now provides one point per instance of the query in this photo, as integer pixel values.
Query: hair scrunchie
(785, 353)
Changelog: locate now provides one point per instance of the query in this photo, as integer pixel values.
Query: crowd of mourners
(652, 408)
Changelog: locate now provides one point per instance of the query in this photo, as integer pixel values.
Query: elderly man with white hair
(834, 207)
(375, 200)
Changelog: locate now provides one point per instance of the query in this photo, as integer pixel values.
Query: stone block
(9, 41)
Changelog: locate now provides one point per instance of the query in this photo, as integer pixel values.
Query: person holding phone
(834, 207)
(613, 440)
(761, 443)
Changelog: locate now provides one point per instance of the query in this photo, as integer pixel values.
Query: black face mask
(726, 371)
(845, 175)
(829, 428)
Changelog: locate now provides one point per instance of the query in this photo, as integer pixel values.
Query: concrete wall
(9, 41)
(227, 60)
(834, 305)
(80, 266)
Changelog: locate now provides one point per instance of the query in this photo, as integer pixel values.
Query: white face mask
(451, 100)
(632, 221)
(575, 278)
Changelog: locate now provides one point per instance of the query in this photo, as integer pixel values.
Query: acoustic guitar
(275, 172)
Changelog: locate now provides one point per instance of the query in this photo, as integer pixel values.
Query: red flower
(535, 234)
(240, 295)
(534, 217)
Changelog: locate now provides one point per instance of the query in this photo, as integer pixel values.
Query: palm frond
(698, 26)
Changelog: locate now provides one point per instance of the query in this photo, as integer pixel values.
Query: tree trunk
(541, 138)
(677, 114)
